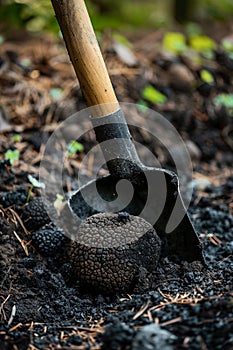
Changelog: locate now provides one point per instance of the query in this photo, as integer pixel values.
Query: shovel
(130, 187)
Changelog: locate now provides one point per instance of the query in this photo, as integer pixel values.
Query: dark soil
(41, 307)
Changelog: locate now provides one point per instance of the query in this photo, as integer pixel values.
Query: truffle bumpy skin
(109, 253)
(35, 213)
(48, 239)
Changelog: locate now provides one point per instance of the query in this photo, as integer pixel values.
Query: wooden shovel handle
(85, 55)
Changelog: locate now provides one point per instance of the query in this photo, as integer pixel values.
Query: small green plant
(32, 15)
(142, 105)
(56, 93)
(58, 201)
(225, 100)
(193, 29)
(174, 42)
(202, 44)
(227, 45)
(16, 138)
(122, 39)
(206, 76)
(151, 94)
(73, 147)
(34, 183)
(194, 44)
(12, 155)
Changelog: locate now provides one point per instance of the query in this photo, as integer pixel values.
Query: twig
(2, 306)
(175, 320)
(89, 330)
(32, 347)
(214, 239)
(148, 314)
(23, 243)
(141, 311)
(19, 220)
(15, 327)
(227, 257)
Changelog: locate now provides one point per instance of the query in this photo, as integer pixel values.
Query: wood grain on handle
(85, 55)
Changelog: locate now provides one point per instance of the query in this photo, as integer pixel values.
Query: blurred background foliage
(37, 16)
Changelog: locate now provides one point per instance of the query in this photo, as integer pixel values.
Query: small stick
(141, 311)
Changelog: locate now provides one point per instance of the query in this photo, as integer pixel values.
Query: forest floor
(188, 307)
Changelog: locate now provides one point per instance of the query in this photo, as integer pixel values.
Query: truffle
(37, 212)
(48, 239)
(108, 254)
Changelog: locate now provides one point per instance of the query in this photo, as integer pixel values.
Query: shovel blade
(155, 197)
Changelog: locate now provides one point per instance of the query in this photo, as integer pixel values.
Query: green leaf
(174, 42)
(35, 182)
(16, 138)
(58, 201)
(227, 44)
(206, 76)
(74, 147)
(202, 43)
(1, 39)
(26, 62)
(122, 39)
(12, 155)
(56, 93)
(193, 29)
(225, 100)
(142, 105)
(153, 95)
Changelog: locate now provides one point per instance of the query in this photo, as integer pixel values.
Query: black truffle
(108, 254)
(48, 239)
(37, 213)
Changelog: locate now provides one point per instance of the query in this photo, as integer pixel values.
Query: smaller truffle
(37, 213)
(48, 239)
